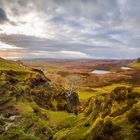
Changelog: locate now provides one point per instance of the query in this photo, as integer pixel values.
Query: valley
(96, 75)
(64, 100)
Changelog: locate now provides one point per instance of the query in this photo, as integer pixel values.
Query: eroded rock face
(68, 101)
(38, 88)
(74, 99)
(32, 82)
(37, 70)
(25, 96)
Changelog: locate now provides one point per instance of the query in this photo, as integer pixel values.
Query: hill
(135, 64)
(113, 116)
(28, 99)
(12, 65)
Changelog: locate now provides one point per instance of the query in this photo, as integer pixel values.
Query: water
(101, 72)
(125, 68)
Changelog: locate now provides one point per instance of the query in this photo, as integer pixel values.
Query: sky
(77, 29)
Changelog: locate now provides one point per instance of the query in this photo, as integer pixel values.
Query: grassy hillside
(87, 92)
(31, 107)
(135, 64)
(108, 116)
(12, 65)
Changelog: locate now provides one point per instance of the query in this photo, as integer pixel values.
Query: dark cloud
(64, 21)
(3, 16)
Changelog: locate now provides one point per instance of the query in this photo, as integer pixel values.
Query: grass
(137, 89)
(72, 134)
(23, 75)
(11, 65)
(24, 107)
(113, 86)
(135, 65)
(86, 92)
(124, 124)
(58, 117)
(21, 71)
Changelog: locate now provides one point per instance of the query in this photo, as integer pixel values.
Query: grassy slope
(12, 65)
(30, 120)
(135, 64)
(121, 121)
(85, 93)
(57, 117)
(114, 117)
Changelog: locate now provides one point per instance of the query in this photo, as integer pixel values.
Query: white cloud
(59, 54)
(32, 24)
(80, 54)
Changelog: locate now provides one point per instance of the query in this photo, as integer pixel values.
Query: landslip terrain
(64, 100)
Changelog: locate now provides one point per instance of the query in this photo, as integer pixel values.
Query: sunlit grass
(87, 92)
(135, 65)
(11, 65)
(24, 107)
(58, 117)
(137, 89)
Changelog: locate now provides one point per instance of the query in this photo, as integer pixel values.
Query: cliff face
(21, 82)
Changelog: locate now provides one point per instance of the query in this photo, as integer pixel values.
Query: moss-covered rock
(113, 117)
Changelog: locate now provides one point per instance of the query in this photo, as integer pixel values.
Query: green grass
(58, 117)
(137, 89)
(23, 75)
(86, 92)
(135, 65)
(21, 71)
(113, 86)
(24, 107)
(76, 133)
(121, 122)
(83, 94)
(11, 65)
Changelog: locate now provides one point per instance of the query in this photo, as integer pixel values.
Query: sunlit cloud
(30, 24)
(74, 53)
(59, 54)
(4, 46)
(11, 54)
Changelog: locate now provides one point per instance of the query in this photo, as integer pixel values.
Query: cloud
(95, 28)
(75, 54)
(3, 16)
(4, 46)
(59, 54)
